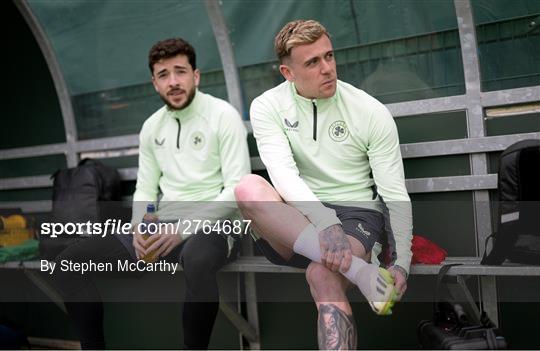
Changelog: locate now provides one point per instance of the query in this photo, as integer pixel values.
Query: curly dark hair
(168, 48)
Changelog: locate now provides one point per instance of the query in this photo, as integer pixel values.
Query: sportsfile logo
(291, 127)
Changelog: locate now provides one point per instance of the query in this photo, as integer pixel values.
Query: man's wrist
(401, 270)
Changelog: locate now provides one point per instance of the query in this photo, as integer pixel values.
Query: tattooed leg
(375, 283)
(335, 329)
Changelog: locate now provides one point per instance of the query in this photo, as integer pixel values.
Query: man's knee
(321, 278)
(253, 191)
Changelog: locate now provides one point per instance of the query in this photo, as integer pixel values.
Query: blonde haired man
(332, 153)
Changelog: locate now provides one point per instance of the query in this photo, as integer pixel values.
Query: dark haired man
(194, 150)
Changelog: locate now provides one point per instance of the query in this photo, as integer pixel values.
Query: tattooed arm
(336, 330)
(335, 248)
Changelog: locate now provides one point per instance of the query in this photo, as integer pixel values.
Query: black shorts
(365, 225)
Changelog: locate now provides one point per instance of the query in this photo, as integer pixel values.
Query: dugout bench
(248, 265)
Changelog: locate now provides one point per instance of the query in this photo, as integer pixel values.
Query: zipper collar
(186, 113)
(321, 104)
(314, 105)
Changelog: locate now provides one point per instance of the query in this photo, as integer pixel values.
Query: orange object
(12, 222)
(14, 230)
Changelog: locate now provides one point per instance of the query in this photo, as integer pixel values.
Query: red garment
(426, 251)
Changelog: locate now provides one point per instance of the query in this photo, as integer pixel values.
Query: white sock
(362, 274)
(307, 244)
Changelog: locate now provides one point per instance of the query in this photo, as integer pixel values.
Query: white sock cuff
(307, 244)
(306, 235)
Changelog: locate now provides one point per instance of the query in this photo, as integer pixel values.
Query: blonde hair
(295, 33)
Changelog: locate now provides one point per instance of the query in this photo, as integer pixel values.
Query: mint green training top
(325, 150)
(198, 154)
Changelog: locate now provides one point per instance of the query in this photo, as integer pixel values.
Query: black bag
(89, 192)
(453, 328)
(518, 234)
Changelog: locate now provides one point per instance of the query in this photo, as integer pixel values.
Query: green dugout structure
(461, 78)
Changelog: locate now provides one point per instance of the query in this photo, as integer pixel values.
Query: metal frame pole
(60, 85)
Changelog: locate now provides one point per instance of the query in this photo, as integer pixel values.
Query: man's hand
(162, 243)
(400, 279)
(335, 249)
(139, 243)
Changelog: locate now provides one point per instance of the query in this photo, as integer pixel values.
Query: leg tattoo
(336, 330)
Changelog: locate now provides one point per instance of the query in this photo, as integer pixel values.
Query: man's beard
(189, 99)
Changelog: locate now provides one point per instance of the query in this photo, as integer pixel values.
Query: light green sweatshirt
(197, 154)
(326, 149)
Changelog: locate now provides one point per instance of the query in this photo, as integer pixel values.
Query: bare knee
(252, 192)
(324, 282)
